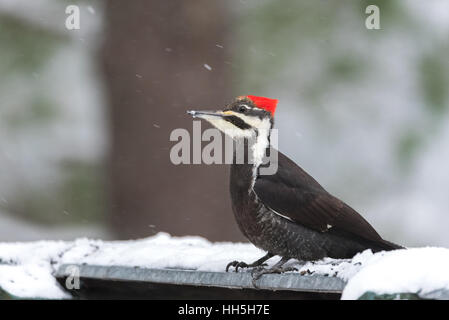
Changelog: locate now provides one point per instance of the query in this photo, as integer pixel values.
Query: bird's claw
(257, 273)
(240, 264)
(236, 264)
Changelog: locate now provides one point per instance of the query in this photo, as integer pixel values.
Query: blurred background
(86, 115)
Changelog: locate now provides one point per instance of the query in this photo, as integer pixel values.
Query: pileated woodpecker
(288, 213)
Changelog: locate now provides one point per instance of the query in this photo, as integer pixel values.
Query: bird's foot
(259, 272)
(240, 264)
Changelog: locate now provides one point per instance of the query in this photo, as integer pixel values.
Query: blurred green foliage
(434, 76)
(394, 296)
(80, 199)
(39, 111)
(409, 143)
(5, 295)
(24, 48)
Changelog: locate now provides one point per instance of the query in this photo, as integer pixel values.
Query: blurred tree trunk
(153, 57)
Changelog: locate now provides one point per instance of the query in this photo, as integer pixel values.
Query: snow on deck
(417, 270)
(26, 269)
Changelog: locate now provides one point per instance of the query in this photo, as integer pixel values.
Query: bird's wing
(292, 193)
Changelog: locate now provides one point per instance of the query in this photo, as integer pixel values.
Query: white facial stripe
(227, 127)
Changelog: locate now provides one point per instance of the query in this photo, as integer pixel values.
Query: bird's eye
(243, 108)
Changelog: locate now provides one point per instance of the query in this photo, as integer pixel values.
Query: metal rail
(116, 275)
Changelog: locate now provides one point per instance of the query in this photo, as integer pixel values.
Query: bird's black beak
(203, 114)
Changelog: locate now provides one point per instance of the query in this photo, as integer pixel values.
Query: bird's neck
(249, 154)
(259, 147)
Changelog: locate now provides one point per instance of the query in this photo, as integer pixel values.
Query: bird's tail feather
(386, 245)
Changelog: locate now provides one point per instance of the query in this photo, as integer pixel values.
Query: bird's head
(246, 117)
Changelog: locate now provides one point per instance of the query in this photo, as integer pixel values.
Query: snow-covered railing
(125, 282)
(192, 267)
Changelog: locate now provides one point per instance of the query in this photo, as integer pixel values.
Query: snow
(417, 270)
(27, 268)
(26, 271)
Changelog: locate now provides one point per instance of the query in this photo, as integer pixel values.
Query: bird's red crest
(264, 103)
